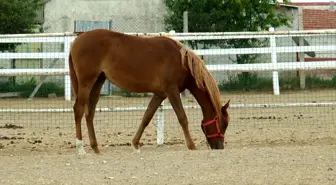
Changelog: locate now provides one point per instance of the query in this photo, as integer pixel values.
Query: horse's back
(120, 46)
(93, 42)
(131, 62)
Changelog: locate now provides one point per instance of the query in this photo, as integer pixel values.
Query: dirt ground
(291, 145)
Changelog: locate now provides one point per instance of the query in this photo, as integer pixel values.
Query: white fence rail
(67, 38)
(220, 67)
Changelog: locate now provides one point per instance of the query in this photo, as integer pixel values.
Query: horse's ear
(225, 107)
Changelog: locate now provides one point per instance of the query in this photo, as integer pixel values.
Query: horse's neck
(203, 99)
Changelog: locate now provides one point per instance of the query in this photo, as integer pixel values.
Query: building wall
(126, 15)
(319, 19)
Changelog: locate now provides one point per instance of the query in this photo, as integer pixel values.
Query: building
(124, 15)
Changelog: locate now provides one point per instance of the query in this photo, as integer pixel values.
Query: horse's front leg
(153, 105)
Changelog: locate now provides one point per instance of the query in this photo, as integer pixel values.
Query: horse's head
(214, 130)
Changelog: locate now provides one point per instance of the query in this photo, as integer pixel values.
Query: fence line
(123, 109)
(277, 33)
(67, 38)
(328, 64)
(273, 50)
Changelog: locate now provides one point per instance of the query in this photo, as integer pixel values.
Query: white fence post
(160, 125)
(302, 59)
(276, 88)
(67, 82)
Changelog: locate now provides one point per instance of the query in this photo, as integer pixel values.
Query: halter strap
(216, 121)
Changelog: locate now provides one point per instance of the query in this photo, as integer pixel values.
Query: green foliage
(226, 16)
(26, 88)
(18, 16)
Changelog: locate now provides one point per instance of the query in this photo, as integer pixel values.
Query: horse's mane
(204, 79)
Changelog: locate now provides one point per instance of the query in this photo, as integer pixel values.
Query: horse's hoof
(80, 147)
(192, 147)
(160, 146)
(98, 152)
(136, 150)
(81, 152)
(137, 145)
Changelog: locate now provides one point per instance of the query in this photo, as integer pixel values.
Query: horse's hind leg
(79, 108)
(175, 101)
(90, 111)
(153, 105)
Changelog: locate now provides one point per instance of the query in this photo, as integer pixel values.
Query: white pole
(302, 73)
(160, 125)
(276, 88)
(67, 82)
(302, 53)
(185, 30)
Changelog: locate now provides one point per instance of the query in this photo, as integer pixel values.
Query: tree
(18, 16)
(226, 16)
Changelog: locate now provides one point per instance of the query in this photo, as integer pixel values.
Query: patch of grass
(248, 82)
(125, 93)
(26, 88)
(316, 82)
(241, 82)
(253, 82)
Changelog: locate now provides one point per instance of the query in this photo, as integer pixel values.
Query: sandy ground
(292, 145)
(250, 165)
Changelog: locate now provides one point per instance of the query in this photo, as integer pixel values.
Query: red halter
(216, 121)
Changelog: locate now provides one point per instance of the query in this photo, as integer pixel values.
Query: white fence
(273, 50)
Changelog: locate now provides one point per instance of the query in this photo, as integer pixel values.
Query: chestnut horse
(159, 65)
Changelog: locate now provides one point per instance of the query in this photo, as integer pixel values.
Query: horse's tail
(73, 76)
